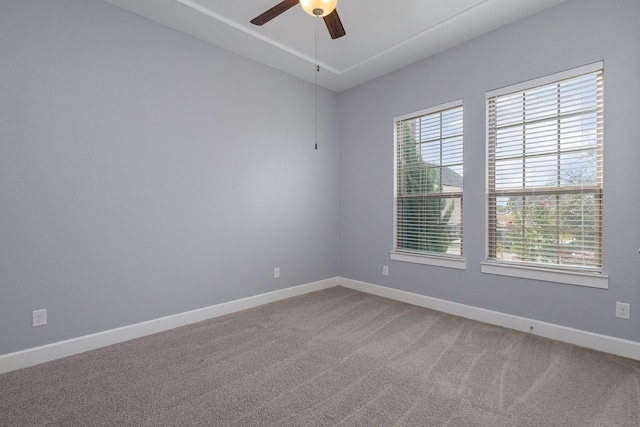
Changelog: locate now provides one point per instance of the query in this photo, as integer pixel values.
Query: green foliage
(533, 230)
(556, 229)
(423, 220)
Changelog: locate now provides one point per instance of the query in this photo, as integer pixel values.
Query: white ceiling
(382, 35)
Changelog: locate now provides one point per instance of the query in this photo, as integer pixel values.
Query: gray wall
(145, 173)
(572, 34)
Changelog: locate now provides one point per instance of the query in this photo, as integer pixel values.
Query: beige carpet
(334, 357)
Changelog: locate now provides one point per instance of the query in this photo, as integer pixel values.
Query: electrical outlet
(39, 317)
(622, 310)
(385, 270)
(276, 272)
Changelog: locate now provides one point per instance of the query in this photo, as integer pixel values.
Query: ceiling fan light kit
(320, 8)
(325, 9)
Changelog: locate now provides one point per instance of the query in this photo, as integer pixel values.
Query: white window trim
(458, 263)
(547, 274)
(424, 112)
(585, 69)
(455, 262)
(592, 280)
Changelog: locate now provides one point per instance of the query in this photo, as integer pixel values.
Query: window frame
(415, 256)
(587, 276)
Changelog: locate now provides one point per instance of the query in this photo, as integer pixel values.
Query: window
(428, 187)
(545, 181)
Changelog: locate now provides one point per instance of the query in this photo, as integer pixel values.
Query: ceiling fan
(320, 8)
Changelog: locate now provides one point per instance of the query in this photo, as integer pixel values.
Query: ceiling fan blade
(276, 10)
(334, 25)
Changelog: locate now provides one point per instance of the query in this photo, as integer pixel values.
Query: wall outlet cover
(622, 310)
(39, 317)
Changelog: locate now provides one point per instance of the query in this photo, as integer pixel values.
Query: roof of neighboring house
(451, 178)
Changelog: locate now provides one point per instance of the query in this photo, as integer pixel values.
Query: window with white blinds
(428, 190)
(545, 145)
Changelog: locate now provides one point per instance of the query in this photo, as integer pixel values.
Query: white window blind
(429, 178)
(545, 185)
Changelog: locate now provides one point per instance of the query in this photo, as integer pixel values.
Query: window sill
(592, 280)
(448, 262)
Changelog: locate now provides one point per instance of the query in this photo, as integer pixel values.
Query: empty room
(320, 213)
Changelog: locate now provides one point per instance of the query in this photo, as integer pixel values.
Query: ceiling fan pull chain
(316, 80)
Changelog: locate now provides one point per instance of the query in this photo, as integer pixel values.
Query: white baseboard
(604, 343)
(33, 356)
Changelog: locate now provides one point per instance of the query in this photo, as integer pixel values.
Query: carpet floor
(330, 358)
